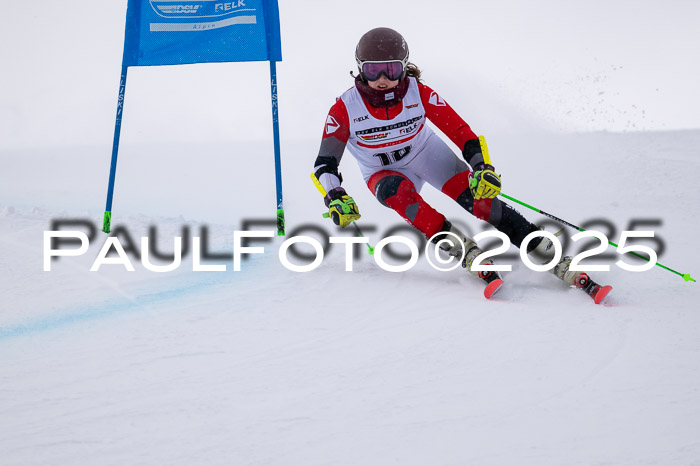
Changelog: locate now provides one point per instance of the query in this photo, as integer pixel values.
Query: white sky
(506, 66)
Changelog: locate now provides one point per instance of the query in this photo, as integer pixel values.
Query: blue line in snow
(106, 309)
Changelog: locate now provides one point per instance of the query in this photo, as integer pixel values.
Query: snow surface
(270, 367)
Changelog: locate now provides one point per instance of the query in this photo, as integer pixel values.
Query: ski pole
(685, 276)
(487, 160)
(323, 192)
(370, 249)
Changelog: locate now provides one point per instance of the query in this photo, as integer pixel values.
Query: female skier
(381, 120)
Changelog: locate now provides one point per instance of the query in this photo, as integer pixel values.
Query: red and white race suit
(398, 153)
(390, 138)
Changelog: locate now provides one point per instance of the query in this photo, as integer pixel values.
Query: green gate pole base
(280, 222)
(107, 222)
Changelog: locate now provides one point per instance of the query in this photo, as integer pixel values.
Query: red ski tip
(602, 293)
(492, 287)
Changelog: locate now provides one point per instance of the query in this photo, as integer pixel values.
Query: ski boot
(455, 249)
(544, 253)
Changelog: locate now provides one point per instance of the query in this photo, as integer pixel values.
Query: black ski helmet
(379, 45)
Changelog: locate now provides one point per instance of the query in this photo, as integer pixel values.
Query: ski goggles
(373, 70)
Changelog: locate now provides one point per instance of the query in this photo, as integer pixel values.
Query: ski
(493, 283)
(592, 289)
(596, 291)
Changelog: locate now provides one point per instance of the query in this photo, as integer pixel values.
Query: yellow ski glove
(485, 183)
(341, 208)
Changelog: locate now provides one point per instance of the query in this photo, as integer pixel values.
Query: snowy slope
(268, 366)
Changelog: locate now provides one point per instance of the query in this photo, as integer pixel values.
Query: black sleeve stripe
(472, 153)
(326, 165)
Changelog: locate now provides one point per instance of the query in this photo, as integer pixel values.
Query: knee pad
(388, 187)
